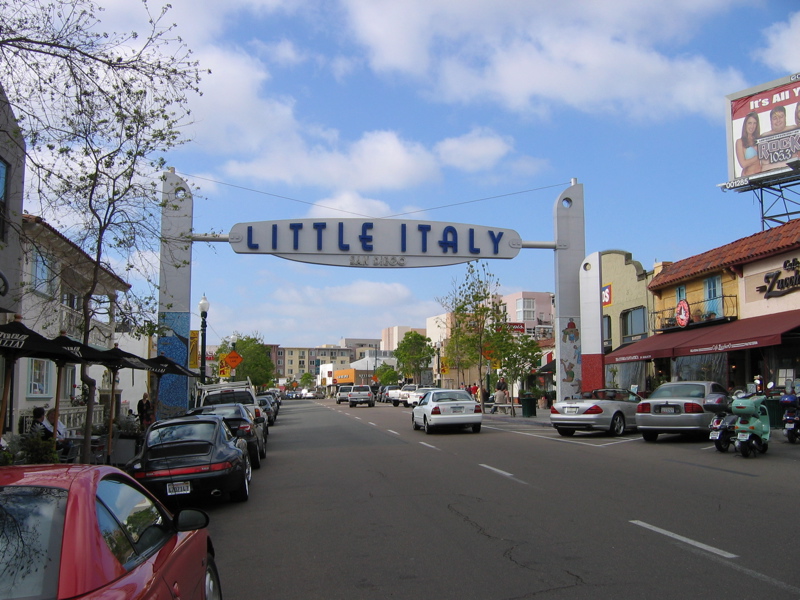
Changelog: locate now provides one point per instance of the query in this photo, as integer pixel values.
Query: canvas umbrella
(163, 365)
(116, 359)
(18, 341)
(87, 354)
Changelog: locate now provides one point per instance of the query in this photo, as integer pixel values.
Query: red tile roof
(746, 250)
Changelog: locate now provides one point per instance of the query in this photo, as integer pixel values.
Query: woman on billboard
(746, 151)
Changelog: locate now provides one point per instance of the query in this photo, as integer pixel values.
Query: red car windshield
(31, 528)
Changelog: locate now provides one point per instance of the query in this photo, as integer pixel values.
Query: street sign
(234, 359)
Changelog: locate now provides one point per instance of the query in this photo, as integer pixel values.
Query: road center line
(685, 540)
(392, 431)
(429, 446)
(504, 474)
(371, 423)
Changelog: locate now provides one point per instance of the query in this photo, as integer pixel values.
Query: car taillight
(692, 407)
(184, 470)
(593, 410)
(477, 409)
(553, 411)
(643, 407)
(246, 428)
(716, 422)
(436, 411)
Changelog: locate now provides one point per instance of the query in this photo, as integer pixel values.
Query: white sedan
(447, 408)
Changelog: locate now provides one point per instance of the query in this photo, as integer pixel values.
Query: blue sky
(382, 107)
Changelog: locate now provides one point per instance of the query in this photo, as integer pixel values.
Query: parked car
(415, 396)
(447, 408)
(677, 407)
(241, 421)
(342, 392)
(193, 455)
(77, 531)
(273, 401)
(607, 409)
(403, 396)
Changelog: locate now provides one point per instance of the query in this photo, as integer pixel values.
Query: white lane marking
(429, 446)
(685, 540)
(504, 474)
(392, 431)
(359, 418)
(371, 423)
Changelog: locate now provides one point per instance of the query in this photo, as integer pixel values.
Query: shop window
(680, 293)
(713, 299)
(39, 377)
(606, 330)
(634, 323)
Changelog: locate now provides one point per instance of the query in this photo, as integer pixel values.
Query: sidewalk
(542, 417)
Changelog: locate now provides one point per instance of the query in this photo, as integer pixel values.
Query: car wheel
(405, 404)
(650, 436)
(263, 452)
(414, 423)
(255, 458)
(371, 404)
(352, 405)
(212, 583)
(395, 403)
(243, 493)
(617, 425)
(565, 432)
(428, 427)
(476, 428)
(337, 401)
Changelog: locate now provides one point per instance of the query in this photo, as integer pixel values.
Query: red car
(91, 531)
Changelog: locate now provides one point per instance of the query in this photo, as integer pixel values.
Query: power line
(263, 193)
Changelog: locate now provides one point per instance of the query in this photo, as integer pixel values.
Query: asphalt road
(351, 503)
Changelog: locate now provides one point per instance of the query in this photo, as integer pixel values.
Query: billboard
(764, 133)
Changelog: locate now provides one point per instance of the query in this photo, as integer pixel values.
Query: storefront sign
(682, 313)
(380, 243)
(778, 284)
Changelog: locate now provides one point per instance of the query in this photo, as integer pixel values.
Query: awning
(766, 330)
(660, 345)
(548, 368)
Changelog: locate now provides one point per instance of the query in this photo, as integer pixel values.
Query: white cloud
(349, 204)
(782, 45)
(593, 56)
(477, 150)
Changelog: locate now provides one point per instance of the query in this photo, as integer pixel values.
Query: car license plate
(743, 437)
(571, 410)
(789, 426)
(714, 435)
(667, 410)
(457, 409)
(180, 487)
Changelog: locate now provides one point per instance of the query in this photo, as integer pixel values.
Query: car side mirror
(191, 519)
(260, 420)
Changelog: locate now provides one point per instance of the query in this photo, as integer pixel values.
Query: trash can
(775, 412)
(528, 406)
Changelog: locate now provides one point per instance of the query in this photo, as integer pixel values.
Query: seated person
(37, 426)
(59, 430)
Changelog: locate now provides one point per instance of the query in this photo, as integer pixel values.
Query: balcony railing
(72, 323)
(711, 309)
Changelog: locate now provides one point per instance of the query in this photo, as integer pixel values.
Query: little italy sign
(376, 243)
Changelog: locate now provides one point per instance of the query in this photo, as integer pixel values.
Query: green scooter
(752, 425)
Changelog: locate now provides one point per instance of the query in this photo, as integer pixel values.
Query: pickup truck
(361, 394)
(341, 393)
(403, 395)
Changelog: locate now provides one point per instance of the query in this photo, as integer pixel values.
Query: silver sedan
(610, 410)
(447, 408)
(678, 407)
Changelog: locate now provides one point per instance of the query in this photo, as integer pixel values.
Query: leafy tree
(413, 354)
(256, 362)
(97, 111)
(307, 380)
(520, 355)
(478, 316)
(386, 374)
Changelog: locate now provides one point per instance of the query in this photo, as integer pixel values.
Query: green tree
(307, 380)
(256, 362)
(386, 374)
(478, 316)
(413, 354)
(520, 356)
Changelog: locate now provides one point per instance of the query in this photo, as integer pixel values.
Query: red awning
(766, 330)
(660, 345)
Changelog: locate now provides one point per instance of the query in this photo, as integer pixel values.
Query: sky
(464, 111)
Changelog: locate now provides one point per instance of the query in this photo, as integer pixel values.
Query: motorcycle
(723, 422)
(752, 425)
(791, 416)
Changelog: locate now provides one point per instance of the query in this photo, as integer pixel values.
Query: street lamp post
(203, 306)
(234, 338)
